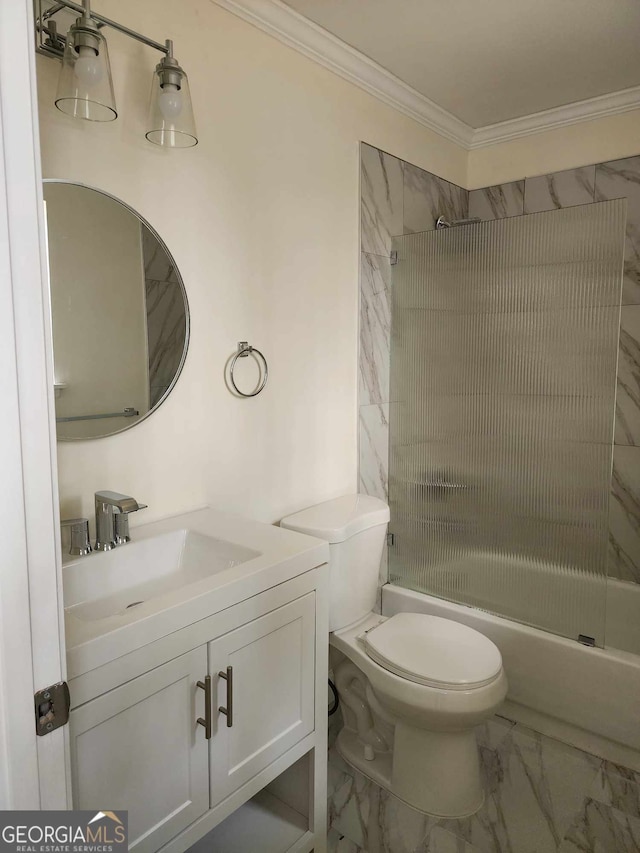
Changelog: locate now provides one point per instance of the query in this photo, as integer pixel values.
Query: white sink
(113, 582)
(173, 573)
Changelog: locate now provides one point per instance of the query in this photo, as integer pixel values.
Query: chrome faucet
(112, 519)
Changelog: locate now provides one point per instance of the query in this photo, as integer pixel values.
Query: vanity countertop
(173, 573)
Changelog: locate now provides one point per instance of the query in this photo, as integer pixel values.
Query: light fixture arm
(85, 11)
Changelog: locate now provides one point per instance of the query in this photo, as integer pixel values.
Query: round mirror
(119, 312)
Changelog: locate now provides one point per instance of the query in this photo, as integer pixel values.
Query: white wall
(262, 219)
(597, 141)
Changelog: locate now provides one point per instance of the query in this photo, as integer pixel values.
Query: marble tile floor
(542, 796)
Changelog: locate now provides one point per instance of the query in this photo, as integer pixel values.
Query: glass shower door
(503, 371)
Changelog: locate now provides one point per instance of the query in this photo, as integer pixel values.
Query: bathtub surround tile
(628, 392)
(602, 829)
(375, 274)
(374, 450)
(383, 578)
(426, 197)
(621, 179)
(497, 202)
(375, 346)
(621, 564)
(560, 189)
(381, 199)
(624, 515)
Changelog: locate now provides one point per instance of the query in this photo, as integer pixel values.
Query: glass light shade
(85, 88)
(171, 122)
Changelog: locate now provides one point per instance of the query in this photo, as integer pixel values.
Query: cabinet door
(273, 666)
(139, 748)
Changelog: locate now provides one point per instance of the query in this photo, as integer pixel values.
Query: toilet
(412, 687)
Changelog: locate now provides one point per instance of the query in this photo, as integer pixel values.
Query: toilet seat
(433, 651)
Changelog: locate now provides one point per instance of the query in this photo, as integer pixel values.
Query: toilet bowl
(412, 687)
(433, 680)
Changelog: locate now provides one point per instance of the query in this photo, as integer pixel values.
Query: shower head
(444, 223)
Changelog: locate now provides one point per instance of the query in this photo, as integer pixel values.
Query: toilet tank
(355, 527)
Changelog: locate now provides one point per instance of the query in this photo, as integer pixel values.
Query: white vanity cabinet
(136, 742)
(271, 663)
(137, 748)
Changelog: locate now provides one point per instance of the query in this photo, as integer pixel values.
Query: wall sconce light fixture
(85, 88)
(171, 121)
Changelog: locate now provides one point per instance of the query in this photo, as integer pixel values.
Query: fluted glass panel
(503, 375)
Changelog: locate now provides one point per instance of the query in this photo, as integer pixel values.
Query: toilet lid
(434, 651)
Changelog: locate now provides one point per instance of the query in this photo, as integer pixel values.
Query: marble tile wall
(396, 198)
(497, 202)
(561, 189)
(382, 193)
(616, 179)
(426, 197)
(542, 796)
(166, 323)
(424, 194)
(535, 195)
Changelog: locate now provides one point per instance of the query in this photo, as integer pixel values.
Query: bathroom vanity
(197, 665)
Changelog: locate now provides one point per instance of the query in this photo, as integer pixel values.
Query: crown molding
(284, 23)
(293, 29)
(613, 103)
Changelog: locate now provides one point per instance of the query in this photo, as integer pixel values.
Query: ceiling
(487, 61)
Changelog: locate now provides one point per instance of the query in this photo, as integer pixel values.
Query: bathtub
(586, 696)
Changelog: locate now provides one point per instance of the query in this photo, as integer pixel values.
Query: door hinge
(393, 258)
(391, 539)
(52, 708)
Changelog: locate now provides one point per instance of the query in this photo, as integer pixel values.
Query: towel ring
(244, 349)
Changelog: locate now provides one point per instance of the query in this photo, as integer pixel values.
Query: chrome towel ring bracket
(244, 350)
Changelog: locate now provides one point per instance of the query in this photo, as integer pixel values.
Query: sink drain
(133, 604)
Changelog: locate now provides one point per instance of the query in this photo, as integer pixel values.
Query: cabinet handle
(228, 711)
(207, 722)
